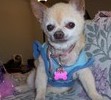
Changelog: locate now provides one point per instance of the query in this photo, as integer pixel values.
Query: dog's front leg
(41, 80)
(87, 80)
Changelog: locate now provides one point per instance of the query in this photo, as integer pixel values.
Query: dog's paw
(97, 97)
(18, 89)
(40, 98)
(22, 88)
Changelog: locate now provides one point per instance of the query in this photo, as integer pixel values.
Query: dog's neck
(60, 52)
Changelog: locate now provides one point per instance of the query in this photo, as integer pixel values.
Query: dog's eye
(70, 25)
(50, 27)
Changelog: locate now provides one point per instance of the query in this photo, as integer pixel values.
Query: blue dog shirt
(82, 62)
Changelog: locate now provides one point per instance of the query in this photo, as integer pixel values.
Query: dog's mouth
(58, 40)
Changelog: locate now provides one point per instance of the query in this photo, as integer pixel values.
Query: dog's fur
(59, 15)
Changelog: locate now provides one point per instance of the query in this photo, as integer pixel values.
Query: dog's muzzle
(58, 35)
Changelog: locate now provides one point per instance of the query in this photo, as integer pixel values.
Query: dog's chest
(60, 74)
(69, 59)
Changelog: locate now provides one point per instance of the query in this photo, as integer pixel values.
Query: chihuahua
(62, 58)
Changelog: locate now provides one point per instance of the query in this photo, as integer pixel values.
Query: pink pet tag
(60, 74)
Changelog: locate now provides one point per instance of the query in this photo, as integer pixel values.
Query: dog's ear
(38, 9)
(80, 5)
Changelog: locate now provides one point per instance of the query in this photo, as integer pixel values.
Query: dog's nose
(58, 35)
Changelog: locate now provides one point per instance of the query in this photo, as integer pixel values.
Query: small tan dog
(63, 25)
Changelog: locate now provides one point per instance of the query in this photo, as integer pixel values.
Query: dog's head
(62, 23)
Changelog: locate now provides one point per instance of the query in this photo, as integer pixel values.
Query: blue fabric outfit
(82, 62)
